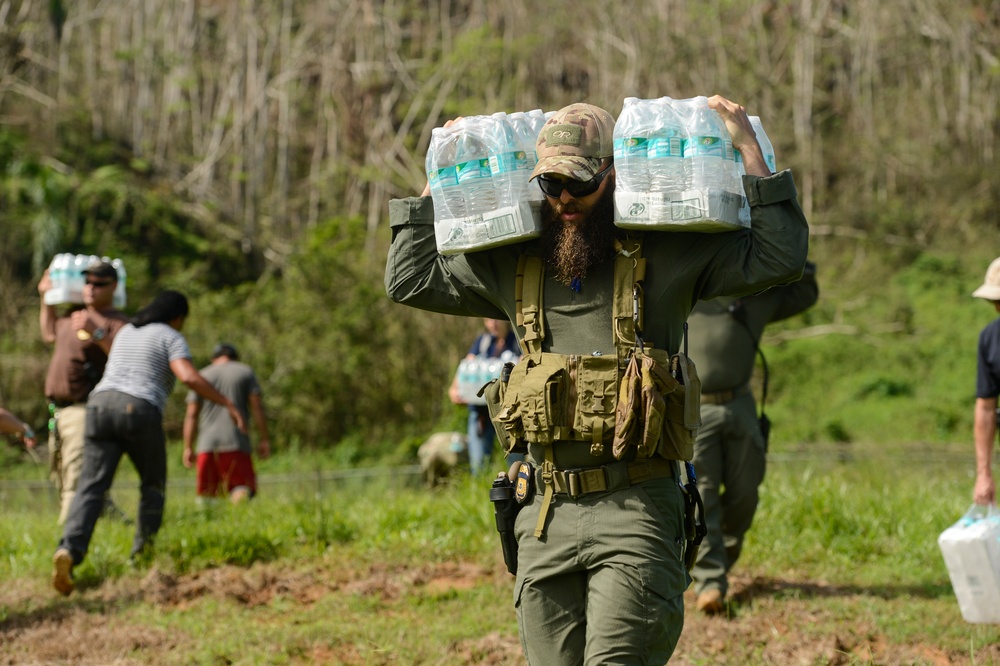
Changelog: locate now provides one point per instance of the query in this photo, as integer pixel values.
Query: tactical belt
(722, 397)
(614, 476)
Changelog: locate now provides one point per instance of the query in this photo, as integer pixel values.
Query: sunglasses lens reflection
(554, 187)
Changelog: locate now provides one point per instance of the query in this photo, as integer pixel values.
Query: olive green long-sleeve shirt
(681, 268)
(723, 333)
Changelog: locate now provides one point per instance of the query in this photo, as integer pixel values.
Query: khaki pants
(66, 452)
(604, 585)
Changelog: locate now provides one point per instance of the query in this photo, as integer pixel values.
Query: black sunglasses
(553, 187)
(102, 283)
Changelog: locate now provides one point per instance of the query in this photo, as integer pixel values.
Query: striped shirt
(139, 362)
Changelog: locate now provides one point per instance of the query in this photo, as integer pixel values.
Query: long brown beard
(570, 251)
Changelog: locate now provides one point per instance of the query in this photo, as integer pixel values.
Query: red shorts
(225, 471)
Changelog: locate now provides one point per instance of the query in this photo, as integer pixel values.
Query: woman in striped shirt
(125, 416)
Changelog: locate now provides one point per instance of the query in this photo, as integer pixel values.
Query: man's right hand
(985, 490)
(742, 133)
(45, 283)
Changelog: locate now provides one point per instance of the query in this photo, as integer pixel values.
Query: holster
(694, 518)
(505, 510)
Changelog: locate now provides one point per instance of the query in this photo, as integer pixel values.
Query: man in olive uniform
(729, 454)
(600, 572)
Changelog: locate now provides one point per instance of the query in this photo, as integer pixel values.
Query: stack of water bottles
(66, 275)
(676, 167)
(474, 373)
(478, 171)
(971, 551)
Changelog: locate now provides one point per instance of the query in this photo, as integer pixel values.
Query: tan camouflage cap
(990, 288)
(574, 142)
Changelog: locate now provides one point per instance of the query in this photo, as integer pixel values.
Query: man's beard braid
(572, 250)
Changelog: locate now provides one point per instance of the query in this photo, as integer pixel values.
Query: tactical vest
(641, 401)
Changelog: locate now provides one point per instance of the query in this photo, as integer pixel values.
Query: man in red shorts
(223, 452)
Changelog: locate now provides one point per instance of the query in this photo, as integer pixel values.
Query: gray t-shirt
(216, 431)
(139, 362)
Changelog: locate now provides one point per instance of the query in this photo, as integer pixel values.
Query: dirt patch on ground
(773, 621)
(766, 624)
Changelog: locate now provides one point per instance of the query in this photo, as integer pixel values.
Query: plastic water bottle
(463, 379)
(74, 277)
(471, 377)
(472, 374)
(665, 149)
(119, 299)
(744, 213)
(631, 138)
(537, 118)
(57, 293)
(525, 157)
(473, 165)
(493, 366)
(710, 162)
(63, 270)
(484, 375)
(503, 151)
(765, 143)
(442, 174)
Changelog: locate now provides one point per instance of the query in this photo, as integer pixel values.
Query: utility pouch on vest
(596, 391)
(683, 411)
(642, 408)
(532, 407)
(493, 393)
(553, 397)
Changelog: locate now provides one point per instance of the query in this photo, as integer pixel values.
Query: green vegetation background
(245, 154)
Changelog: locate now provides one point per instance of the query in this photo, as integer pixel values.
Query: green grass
(880, 359)
(870, 522)
(852, 544)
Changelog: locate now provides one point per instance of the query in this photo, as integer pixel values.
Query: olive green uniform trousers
(604, 584)
(729, 459)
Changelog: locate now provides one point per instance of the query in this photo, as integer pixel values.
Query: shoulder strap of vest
(529, 314)
(627, 307)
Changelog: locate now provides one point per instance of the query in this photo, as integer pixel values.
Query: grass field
(842, 567)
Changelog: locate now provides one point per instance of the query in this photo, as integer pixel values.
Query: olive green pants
(604, 584)
(729, 459)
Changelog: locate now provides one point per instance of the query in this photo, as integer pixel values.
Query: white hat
(990, 288)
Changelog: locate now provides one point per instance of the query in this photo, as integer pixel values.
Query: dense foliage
(244, 152)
